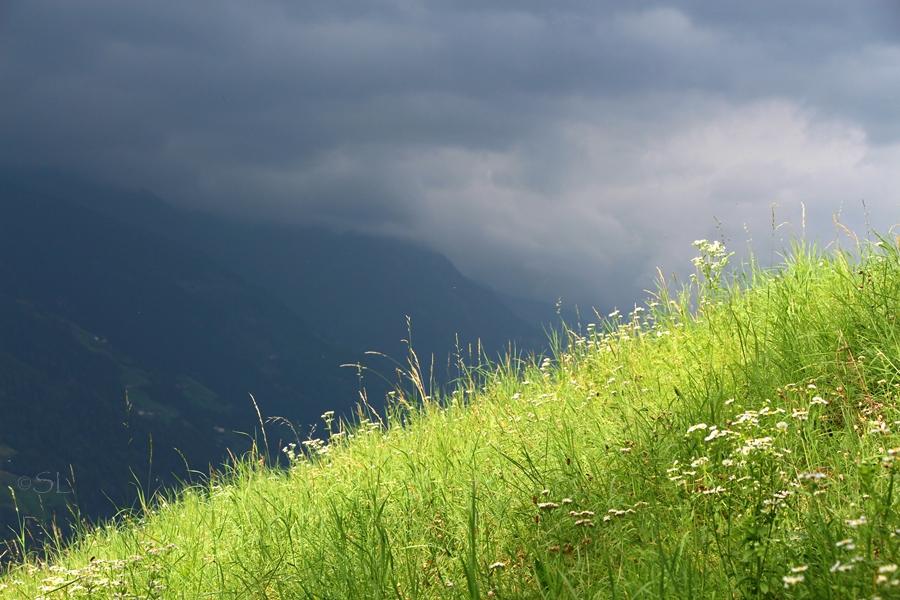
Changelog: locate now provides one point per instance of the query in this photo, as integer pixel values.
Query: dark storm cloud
(547, 148)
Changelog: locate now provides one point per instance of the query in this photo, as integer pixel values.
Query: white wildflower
(856, 522)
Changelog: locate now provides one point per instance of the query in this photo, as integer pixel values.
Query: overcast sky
(547, 148)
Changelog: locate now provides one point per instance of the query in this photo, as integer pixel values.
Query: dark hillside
(354, 289)
(92, 307)
(359, 290)
(63, 407)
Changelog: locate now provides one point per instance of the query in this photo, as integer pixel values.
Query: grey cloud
(546, 148)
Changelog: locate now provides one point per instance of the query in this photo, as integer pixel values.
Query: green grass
(735, 439)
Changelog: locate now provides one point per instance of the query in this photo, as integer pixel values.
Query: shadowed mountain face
(62, 409)
(354, 289)
(105, 293)
(359, 291)
(92, 308)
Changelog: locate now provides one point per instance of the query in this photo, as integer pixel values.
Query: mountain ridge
(365, 287)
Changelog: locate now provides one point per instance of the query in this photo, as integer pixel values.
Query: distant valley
(105, 291)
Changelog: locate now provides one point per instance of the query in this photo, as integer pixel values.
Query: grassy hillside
(743, 448)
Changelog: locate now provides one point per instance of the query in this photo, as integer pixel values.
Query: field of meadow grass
(737, 438)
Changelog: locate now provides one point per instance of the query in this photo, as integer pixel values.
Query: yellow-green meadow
(736, 438)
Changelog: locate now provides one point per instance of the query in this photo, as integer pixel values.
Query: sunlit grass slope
(734, 440)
